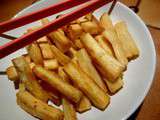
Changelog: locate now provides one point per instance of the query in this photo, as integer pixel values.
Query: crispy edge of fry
(98, 97)
(111, 36)
(78, 44)
(58, 37)
(12, 73)
(114, 86)
(86, 65)
(32, 64)
(51, 64)
(61, 57)
(27, 77)
(35, 54)
(90, 27)
(84, 104)
(54, 95)
(55, 81)
(106, 22)
(63, 75)
(109, 64)
(37, 108)
(74, 31)
(28, 58)
(128, 44)
(61, 40)
(68, 108)
(46, 51)
(105, 44)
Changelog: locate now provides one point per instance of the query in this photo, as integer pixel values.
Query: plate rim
(154, 59)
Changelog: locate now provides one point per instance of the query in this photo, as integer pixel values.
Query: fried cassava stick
(109, 64)
(38, 108)
(55, 81)
(27, 77)
(97, 96)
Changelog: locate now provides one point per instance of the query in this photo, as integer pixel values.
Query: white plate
(137, 78)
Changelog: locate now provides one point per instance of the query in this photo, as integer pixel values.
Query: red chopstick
(31, 17)
(54, 25)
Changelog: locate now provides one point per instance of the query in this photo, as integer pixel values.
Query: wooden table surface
(150, 109)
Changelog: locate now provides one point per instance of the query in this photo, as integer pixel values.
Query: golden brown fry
(114, 86)
(112, 37)
(54, 95)
(32, 64)
(105, 44)
(51, 64)
(84, 105)
(28, 58)
(90, 27)
(98, 97)
(129, 46)
(43, 40)
(86, 65)
(35, 54)
(12, 73)
(55, 81)
(62, 58)
(74, 31)
(72, 52)
(106, 22)
(63, 75)
(61, 41)
(46, 51)
(78, 43)
(89, 16)
(38, 108)
(58, 37)
(27, 77)
(109, 64)
(69, 110)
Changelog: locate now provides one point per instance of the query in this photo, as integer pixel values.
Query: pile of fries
(77, 66)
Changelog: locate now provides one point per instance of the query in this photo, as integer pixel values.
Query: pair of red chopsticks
(87, 7)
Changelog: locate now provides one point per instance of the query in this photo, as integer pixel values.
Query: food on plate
(35, 54)
(46, 51)
(112, 67)
(128, 44)
(12, 73)
(105, 45)
(86, 65)
(36, 107)
(58, 37)
(68, 107)
(27, 77)
(56, 82)
(77, 66)
(97, 96)
(51, 64)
